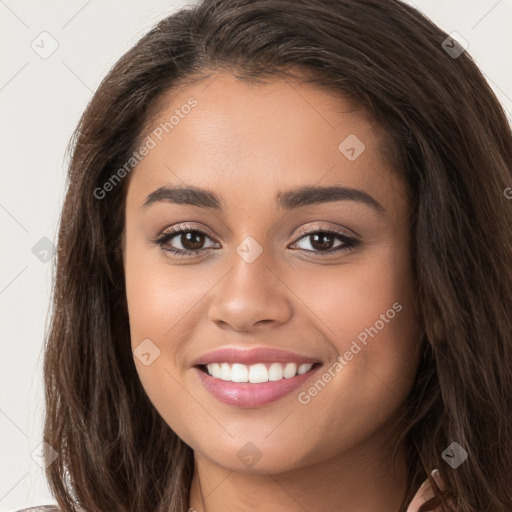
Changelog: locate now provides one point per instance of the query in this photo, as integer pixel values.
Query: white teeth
(275, 372)
(256, 373)
(290, 370)
(225, 372)
(303, 368)
(239, 373)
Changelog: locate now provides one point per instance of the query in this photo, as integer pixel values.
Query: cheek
(369, 316)
(164, 301)
(366, 311)
(348, 299)
(159, 304)
(158, 295)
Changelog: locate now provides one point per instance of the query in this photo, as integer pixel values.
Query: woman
(209, 351)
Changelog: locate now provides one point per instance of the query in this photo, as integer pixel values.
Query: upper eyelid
(339, 231)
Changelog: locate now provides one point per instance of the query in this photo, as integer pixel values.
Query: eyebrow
(291, 199)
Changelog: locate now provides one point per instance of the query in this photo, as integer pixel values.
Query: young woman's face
(283, 278)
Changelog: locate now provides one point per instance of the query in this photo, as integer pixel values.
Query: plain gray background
(41, 99)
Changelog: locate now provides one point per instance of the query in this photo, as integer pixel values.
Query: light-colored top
(41, 508)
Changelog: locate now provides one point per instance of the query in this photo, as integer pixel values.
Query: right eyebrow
(193, 196)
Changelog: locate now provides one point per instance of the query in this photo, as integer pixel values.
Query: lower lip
(247, 395)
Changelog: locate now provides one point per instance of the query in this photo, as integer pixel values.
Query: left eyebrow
(290, 199)
(309, 195)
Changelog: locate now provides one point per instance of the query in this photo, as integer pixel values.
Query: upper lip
(252, 356)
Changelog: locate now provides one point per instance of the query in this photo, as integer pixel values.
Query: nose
(250, 296)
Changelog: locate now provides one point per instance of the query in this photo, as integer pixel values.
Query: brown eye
(192, 240)
(184, 241)
(324, 242)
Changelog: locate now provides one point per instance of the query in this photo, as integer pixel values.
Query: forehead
(238, 136)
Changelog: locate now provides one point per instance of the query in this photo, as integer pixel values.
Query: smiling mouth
(256, 373)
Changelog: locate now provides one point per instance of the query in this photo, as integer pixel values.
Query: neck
(355, 481)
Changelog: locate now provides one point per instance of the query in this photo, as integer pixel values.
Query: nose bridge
(250, 293)
(251, 264)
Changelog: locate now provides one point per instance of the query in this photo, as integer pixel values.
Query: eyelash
(349, 242)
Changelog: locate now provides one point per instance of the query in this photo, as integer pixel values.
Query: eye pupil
(327, 240)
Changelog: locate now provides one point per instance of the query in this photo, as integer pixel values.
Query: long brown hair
(453, 148)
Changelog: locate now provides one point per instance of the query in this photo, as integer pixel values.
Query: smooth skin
(246, 143)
